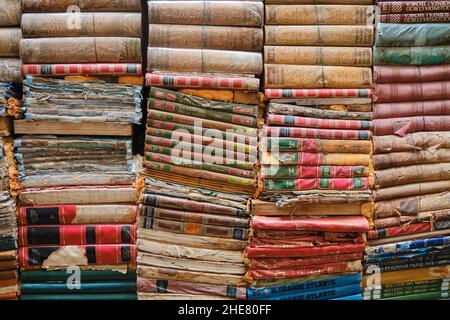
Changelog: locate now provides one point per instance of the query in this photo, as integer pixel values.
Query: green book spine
(196, 112)
(85, 275)
(411, 56)
(433, 295)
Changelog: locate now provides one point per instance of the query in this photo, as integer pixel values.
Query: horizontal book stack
(99, 39)
(414, 11)
(201, 142)
(10, 36)
(190, 243)
(306, 258)
(8, 225)
(205, 44)
(77, 208)
(315, 152)
(411, 124)
(10, 78)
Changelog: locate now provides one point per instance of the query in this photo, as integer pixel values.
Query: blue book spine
(322, 294)
(302, 287)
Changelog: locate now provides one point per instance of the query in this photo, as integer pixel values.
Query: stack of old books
(88, 38)
(191, 242)
(10, 78)
(8, 227)
(408, 257)
(205, 44)
(200, 148)
(315, 149)
(77, 207)
(201, 142)
(10, 36)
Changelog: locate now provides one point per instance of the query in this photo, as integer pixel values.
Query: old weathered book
(87, 5)
(95, 24)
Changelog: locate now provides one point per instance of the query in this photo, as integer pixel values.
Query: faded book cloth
(81, 50)
(95, 24)
(10, 13)
(91, 101)
(390, 74)
(411, 56)
(421, 17)
(412, 35)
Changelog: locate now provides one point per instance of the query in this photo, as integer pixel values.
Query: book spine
(323, 294)
(94, 69)
(422, 17)
(189, 205)
(204, 123)
(98, 6)
(303, 287)
(195, 228)
(200, 218)
(76, 235)
(401, 230)
(318, 15)
(193, 172)
(43, 276)
(81, 50)
(317, 183)
(249, 14)
(319, 35)
(88, 254)
(204, 61)
(410, 56)
(413, 6)
(317, 93)
(317, 133)
(254, 252)
(95, 24)
(282, 120)
(183, 162)
(202, 82)
(283, 76)
(305, 172)
(10, 38)
(340, 267)
(203, 113)
(75, 214)
(84, 288)
(205, 37)
(191, 100)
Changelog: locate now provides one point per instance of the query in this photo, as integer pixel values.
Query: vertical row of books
(10, 36)
(200, 148)
(77, 208)
(314, 205)
(407, 256)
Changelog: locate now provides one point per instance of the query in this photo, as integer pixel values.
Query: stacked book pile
(190, 243)
(8, 226)
(83, 38)
(10, 36)
(205, 44)
(200, 142)
(77, 208)
(10, 78)
(306, 258)
(411, 124)
(315, 152)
